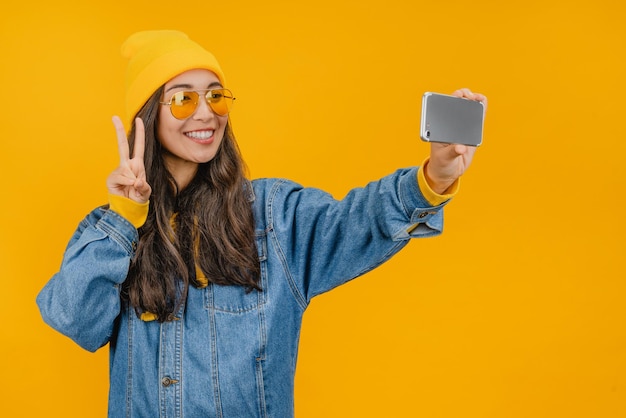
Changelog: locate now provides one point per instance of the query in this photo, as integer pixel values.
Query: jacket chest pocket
(235, 299)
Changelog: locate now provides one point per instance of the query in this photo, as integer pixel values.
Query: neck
(183, 172)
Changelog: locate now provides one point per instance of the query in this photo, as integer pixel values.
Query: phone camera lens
(427, 134)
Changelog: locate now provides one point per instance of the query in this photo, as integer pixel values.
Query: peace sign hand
(129, 179)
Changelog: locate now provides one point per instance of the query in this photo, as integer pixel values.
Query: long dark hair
(208, 224)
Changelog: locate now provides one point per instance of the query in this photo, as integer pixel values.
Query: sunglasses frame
(226, 95)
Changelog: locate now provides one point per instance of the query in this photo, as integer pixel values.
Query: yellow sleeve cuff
(434, 198)
(133, 212)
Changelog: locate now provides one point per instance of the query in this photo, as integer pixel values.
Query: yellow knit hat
(157, 56)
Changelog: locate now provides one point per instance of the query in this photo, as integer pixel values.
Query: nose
(203, 111)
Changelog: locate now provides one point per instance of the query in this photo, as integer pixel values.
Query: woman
(198, 278)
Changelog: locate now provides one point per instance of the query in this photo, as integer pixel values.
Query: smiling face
(193, 140)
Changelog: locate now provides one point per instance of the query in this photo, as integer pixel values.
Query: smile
(200, 135)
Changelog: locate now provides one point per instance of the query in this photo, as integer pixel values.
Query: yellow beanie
(157, 56)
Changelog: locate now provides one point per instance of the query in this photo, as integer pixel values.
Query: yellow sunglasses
(184, 103)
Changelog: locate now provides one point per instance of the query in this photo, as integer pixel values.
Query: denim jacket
(230, 353)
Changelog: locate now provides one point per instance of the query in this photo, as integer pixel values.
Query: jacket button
(167, 381)
(134, 245)
(422, 215)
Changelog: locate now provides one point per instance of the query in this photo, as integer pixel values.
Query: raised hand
(129, 178)
(449, 161)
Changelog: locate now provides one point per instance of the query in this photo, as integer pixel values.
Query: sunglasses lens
(220, 100)
(184, 104)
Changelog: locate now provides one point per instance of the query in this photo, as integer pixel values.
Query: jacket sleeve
(82, 300)
(324, 242)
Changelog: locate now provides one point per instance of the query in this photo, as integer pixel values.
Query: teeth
(200, 134)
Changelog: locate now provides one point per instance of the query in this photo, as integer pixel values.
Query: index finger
(122, 142)
(140, 139)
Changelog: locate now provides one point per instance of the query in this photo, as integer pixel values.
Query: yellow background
(516, 311)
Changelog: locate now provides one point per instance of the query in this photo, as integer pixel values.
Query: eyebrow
(189, 86)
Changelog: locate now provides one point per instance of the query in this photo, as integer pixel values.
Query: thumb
(142, 190)
(460, 149)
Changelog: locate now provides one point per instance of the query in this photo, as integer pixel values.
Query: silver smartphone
(451, 119)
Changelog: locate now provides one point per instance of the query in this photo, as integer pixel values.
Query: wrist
(437, 185)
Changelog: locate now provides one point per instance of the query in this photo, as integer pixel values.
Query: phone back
(451, 119)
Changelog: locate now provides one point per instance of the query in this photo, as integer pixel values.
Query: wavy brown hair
(209, 224)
